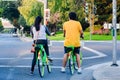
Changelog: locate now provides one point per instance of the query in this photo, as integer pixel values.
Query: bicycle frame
(42, 56)
(71, 54)
(41, 53)
(72, 59)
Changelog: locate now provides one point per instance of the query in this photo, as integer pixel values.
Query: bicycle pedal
(50, 60)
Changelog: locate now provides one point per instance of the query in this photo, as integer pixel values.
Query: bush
(1, 27)
(118, 32)
(97, 27)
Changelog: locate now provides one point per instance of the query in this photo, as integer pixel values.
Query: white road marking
(99, 54)
(24, 66)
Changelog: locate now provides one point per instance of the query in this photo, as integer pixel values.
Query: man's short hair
(72, 15)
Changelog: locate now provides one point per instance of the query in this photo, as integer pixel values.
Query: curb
(107, 72)
(99, 72)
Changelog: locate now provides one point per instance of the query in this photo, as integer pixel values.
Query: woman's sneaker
(79, 70)
(63, 69)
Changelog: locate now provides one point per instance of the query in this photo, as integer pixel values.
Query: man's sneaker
(63, 69)
(76, 68)
(79, 70)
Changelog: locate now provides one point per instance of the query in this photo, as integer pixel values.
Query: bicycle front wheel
(71, 66)
(41, 68)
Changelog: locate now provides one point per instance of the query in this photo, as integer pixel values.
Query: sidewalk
(99, 72)
(107, 72)
(26, 39)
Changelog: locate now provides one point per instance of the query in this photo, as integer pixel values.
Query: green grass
(59, 36)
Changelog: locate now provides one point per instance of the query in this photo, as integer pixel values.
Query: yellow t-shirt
(72, 33)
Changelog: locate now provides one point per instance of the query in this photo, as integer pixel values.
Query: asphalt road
(15, 58)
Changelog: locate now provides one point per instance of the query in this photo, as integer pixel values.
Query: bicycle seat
(70, 48)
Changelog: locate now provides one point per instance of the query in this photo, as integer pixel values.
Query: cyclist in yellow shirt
(72, 31)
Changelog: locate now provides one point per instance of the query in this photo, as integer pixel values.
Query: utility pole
(114, 34)
(91, 18)
(90, 21)
(45, 7)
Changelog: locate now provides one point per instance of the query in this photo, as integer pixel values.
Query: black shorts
(76, 50)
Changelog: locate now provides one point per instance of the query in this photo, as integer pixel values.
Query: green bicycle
(72, 59)
(42, 60)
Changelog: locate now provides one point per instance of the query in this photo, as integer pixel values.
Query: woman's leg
(34, 61)
(46, 49)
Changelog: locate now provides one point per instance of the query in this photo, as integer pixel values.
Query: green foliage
(11, 14)
(35, 11)
(59, 36)
(104, 10)
(22, 21)
(63, 7)
(8, 10)
(30, 9)
(1, 11)
(84, 24)
(97, 27)
(1, 27)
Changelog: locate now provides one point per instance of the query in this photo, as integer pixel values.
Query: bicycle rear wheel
(71, 66)
(41, 68)
(48, 66)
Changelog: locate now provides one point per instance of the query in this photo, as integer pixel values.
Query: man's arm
(82, 35)
(64, 32)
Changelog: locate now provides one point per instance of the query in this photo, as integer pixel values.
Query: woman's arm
(47, 31)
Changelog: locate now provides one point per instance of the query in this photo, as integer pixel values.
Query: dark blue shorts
(76, 50)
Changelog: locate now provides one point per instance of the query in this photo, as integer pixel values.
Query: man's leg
(78, 60)
(77, 51)
(64, 62)
(78, 63)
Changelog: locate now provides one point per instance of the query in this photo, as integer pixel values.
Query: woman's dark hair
(37, 23)
(72, 16)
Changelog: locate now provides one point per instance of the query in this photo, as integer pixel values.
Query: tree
(104, 11)
(63, 7)
(22, 21)
(10, 13)
(9, 10)
(1, 27)
(30, 9)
